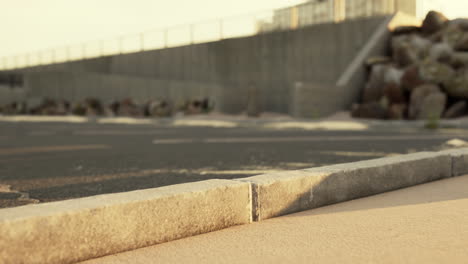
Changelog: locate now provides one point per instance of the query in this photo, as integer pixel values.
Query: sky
(451, 8)
(29, 25)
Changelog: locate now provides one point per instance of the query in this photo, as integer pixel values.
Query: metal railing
(309, 13)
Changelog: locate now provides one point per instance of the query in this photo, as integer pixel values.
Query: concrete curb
(81, 229)
(284, 193)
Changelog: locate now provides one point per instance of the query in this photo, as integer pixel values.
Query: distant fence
(314, 12)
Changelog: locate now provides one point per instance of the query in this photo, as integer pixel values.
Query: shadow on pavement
(438, 191)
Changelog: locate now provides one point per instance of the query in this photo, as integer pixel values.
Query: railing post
(221, 33)
(67, 53)
(83, 51)
(26, 60)
(142, 41)
(191, 33)
(339, 9)
(101, 48)
(15, 61)
(294, 18)
(53, 55)
(120, 40)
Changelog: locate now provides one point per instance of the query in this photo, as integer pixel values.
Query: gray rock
(79, 109)
(93, 107)
(158, 108)
(433, 22)
(462, 23)
(432, 106)
(128, 108)
(381, 75)
(34, 102)
(456, 110)
(459, 59)
(411, 78)
(437, 37)
(435, 72)
(13, 108)
(452, 35)
(63, 107)
(458, 86)
(47, 107)
(392, 75)
(409, 49)
(394, 93)
(397, 111)
(108, 111)
(441, 52)
(198, 106)
(420, 43)
(418, 95)
(462, 43)
(402, 52)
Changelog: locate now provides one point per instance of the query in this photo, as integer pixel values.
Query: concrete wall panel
(271, 61)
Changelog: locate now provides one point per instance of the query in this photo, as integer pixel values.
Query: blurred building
(325, 11)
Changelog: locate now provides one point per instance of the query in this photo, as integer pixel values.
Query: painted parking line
(42, 133)
(116, 133)
(359, 153)
(46, 149)
(205, 123)
(174, 141)
(30, 118)
(299, 139)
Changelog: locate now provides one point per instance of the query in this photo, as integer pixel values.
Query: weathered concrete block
(80, 229)
(288, 192)
(459, 161)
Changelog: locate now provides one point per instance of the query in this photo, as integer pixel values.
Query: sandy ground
(423, 224)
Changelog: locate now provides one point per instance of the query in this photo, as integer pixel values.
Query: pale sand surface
(422, 224)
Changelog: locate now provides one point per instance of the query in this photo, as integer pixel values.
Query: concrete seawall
(327, 57)
(271, 62)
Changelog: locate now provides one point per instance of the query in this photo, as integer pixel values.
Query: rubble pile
(425, 77)
(95, 107)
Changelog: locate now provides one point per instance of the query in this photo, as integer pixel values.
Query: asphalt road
(41, 162)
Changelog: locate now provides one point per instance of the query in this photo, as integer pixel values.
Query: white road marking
(173, 141)
(457, 143)
(205, 123)
(44, 149)
(358, 154)
(297, 139)
(26, 118)
(126, 120)
(234, 172)
(115, 133)
(41, 133)
(325, 125)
